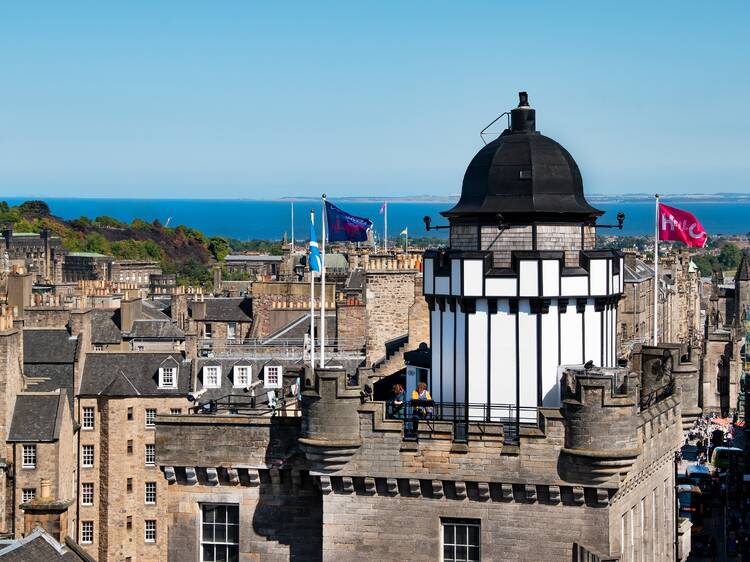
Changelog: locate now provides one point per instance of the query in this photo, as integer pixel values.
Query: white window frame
(149, 417)
(84, 455)
(163, 383)
(28, 455)
(209, 371)
(238, 378)
(220, 543)
(149, 491)
(231, 330)
(279, 376)
(147, 455)
(87, 418)
(459, 522)
(149, 530)
(87, 532)
(87, 493)
(28, 495)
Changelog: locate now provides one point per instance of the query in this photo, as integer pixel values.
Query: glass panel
(474, 553)
(208, 513)
(461, 534)
(233, 533)
(221, 513)
(233, 514)
(220, 533)
(221, 553)
(461, 553)
(449, 534)
(208, 532)
(447, 553)
(208, 553)
(474, 535)
(233, 554)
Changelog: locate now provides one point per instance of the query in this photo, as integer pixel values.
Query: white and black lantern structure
(522, 289)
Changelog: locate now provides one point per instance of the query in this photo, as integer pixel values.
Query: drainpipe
(677, 459)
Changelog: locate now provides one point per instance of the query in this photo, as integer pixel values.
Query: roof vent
(523, 118)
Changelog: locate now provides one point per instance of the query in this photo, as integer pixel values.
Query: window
(150, 530)
(207, 330)
(150, 453)
(29, 456)
(242, 374)
(28, 494)
(168, 377)
(130, 446)
(150, 493)
(130, 414)
(87, 455)
(175, 411)
(212, 376)
(461, 540)
(98, 347)
(150, 417)
(87, 532)
(130, 485)
(88, 417)
(220, 532)
(87, 493)
(129, 522)
(231, 330)
(272, 376)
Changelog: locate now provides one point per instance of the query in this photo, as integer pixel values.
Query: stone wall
(47, 466)
(351, 325)
(388, 297)
(11, 383)
(46, 317)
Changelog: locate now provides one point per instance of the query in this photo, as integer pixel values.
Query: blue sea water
(248, 219)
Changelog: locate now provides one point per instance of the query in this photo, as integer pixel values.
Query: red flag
(382, 208)
(676, 224)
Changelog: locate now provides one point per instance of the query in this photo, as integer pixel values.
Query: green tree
(729, 256)
(95, 242)
(219, 247)
(34, 209)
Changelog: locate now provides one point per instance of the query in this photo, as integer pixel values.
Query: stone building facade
(80, 266)
(41, 254)
(138, 272)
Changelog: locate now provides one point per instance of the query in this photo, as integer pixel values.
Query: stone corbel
(347, 484)
(578, 495)
(530, 492)
(554, 494)
(191, 477)
(253, 476)
(414, 488)
(233, 476)
(437, 488)
(460, 490)
(212, 476)
(391, 486)
(169, 474)
(507, 491)
(483, 491)
(325, 484)
(370, 487)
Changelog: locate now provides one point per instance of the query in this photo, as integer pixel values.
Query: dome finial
(523, 99)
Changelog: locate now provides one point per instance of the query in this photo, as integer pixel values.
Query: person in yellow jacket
(421, 393)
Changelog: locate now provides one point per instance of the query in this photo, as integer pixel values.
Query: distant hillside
(180, 250)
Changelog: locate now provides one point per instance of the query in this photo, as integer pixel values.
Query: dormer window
(242, 375)
(272, 376)
(212, 376)
(168, 377)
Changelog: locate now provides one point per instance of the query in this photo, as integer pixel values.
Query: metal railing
(243, 405)
(290, 347)
(656, 396)
(421, 415)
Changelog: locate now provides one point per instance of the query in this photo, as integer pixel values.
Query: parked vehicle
(690, 499)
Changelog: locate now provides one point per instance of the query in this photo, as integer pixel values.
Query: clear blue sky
(251, 99)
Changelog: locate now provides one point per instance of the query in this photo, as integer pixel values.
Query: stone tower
(521, 289)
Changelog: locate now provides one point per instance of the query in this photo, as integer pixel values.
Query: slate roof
(37, 417)
(105, 326)
(134, 373)
(156, 329)
(40, 546)
(641, 272)
(243, 257)
(356, 279)
(227, 375)
(224, 309)
(153, 310)
(48, 346)
(48, 377)
(300, 327)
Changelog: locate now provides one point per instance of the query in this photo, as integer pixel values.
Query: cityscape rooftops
(37, 416)
(132, 374)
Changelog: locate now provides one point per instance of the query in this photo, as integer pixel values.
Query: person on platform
(397, 402)
(421, 393)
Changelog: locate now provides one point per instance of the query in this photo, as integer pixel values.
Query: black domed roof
(523, 176)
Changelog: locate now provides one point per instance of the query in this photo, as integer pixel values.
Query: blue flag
(345, 227)
(314, 259)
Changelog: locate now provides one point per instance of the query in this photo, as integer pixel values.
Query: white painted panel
(622, 277)
(448, 393)
(571, 336)
(527, 355)
(593, 334)
(501, 286)
(550, 278)
(460, 355)
(529, 278)
(478, 368)
(550, 349)
(576, 286)
(441, 285)
(503, 355)
(429, 272)
(436, 346)
(473, 275)
(455, 277)
(615, 347)
(605, 338)
(615, 287)
(598, 274)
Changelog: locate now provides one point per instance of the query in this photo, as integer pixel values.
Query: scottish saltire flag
(344, 227)
(314, 259)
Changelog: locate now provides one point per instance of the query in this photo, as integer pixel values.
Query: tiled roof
(40, 546)
(43, 377)
(37, 417)
(48, 346)
(227, 309)
(105, 326)
(156, 329)
(131, 374)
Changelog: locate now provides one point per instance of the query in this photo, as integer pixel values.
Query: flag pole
(385, 227)
(292, 226)
(322, 337)
(312, 303)
(656, 270)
